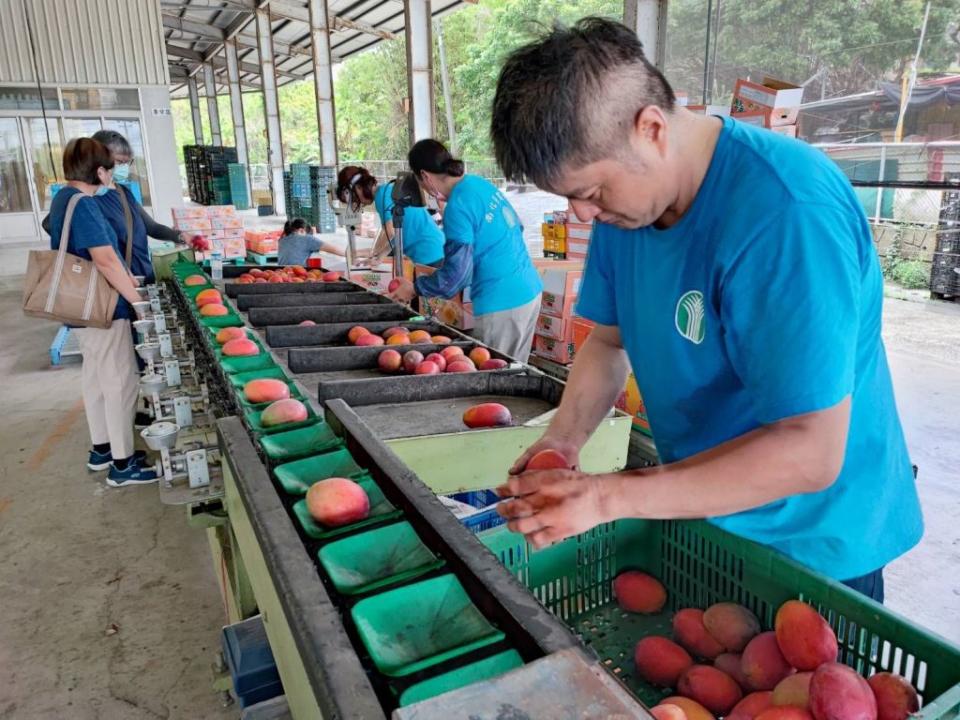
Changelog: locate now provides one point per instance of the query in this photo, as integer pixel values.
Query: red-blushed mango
(479, 355)
(335, 502)
(793, 690)
(332, 276)
(689, 631)
(395, 330)
(712, 688)
(369, 340)
(896, 698)
(355, 333)
(390, 361)
(213, 309)
(194, 280)
(266, 390)
(806, 640)
(281, 412)
(398, 339)
(461, 365)
(419, 337)
(668, 712)
(837, 692)
(437, 359)
(731, 625)
(427, 367)
(751, 706)
(691, 708)
(494, 364)
(785, 712)
(306, 323)
(553, 460)
(240, 347)
(450, 352)
(202, 302)
(440, 340)
(762, 662)
(487, 415)
(731, 664)
(206, 295)
(660, 661)
(394, 284)
(634, 590)
(411, 360)
(230, 333)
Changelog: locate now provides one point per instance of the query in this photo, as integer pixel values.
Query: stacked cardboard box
(554, 231)
(216, 223)
(561, 286)
(262, 242)
(772, 104)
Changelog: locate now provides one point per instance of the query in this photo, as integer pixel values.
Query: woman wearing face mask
(110, 379)
(484, 249)
(422, 239)
(296, 245)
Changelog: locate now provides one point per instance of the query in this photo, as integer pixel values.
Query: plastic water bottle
(216, 261)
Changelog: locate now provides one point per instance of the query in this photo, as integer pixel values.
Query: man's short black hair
(571, 98)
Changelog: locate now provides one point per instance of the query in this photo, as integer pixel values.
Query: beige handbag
(64, 287)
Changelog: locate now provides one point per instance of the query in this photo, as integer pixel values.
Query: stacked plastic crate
(239, 185)
(945, 273)
(208, 180)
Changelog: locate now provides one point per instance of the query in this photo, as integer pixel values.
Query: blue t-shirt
(294, 249)
(383, 202)
(478, 214)
(88, 229)
(422, 239)
(764, 302)
(112, 210)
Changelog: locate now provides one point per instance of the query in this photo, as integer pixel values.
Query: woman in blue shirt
(297, 245)
(484, 249)
(110, 378)
(422, 239)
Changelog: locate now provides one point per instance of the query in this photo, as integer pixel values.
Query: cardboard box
(631, 402)
(226, 222)
(187, 213)
(196, 224)
(788, 130)
(544, 265)
(554, 327)
(560, 351)
(577, 249)
(718, 110)
(560, 290)
(781, 98)
(760, 118)
(221, 210)
(579, 231)
(580, 329)
(457, 311)
(234, 248)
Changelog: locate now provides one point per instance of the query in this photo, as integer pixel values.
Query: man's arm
(158, 230)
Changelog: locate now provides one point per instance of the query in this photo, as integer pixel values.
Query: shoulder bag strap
(62, 250)
(128, 222)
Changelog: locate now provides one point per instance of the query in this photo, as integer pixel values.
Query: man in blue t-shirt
(736, 269)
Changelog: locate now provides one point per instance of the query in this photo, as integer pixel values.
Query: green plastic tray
(238, 380)
(376, 558)
(283, 447)
(413, 627)
(699, 565)
(233, 365)
(479, 671)
(296, 477)
(253, 420)
(221, 321)
(218, 348)
(380, 509)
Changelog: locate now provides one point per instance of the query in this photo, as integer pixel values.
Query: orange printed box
(560, 351)
(554, 327)
(781, 99)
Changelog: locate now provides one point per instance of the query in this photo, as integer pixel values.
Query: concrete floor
(109, 601)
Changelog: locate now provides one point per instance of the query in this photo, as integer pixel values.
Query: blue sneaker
(133, 474)
(101, 461)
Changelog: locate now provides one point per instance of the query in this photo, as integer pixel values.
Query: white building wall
(162, 157)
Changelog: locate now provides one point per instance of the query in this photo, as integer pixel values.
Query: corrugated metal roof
(194, 30)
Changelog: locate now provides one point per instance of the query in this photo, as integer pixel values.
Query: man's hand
(404, 293)
(200, 243)
(570, 450)
(551, 505)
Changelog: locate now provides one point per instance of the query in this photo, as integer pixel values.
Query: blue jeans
(870, 585)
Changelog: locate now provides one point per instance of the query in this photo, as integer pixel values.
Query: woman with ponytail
(296, 246)
(484, 249)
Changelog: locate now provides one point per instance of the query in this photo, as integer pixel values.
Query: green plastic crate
(238, 380)
(416, 626)
(376, 558)
(476, 672)
(283, 447)
(700, 564)
(253, 421)
(296, 477)
(380, 509)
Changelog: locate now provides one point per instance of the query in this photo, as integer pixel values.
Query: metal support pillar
(323, 81)
(418, 23)
(213, 112)
(648, 18)
(271, 108)
(195, 110)
(236, 101)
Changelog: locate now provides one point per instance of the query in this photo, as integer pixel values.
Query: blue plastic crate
(250, 660)
(480, 521)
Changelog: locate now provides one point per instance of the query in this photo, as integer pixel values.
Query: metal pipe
(271, 109)
(445, 83)
(236, 102)
(195, 110)
(213, 112)
(323, 82)
(648, 19)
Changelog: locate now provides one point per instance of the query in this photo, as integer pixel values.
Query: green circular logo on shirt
(690, 317)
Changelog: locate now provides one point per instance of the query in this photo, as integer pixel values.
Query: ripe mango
(896, 698)
(460, 364)
(450, 352)
(785, 712)
(440, 340)
(207, 295)
(356, 333)
(479, 355)
(731, 625)
(230, 333)
(369, 340)
(332, 276)
(837, 692)
(689, 631)
(668, 712)
(306, 323)
(240, 347)
(419, 337)
(731, 664)
(751, 706)
(793, 690)
(494, 364)
(390, 361)
(762, 662)
(335, 502)
(660, 661)
(691, 708)
(285, 411)
(806, 639)
(712, 688)
(411, 359)
(634, 590)
(194, 280)
(487, 415)
(213, 309)
(398, 339)
(427, 367)
(396, 330)
(266, 390)
(553, 460)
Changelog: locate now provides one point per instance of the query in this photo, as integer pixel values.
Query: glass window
(79, 127)
(100, 99)
(130, 129)
(24, 98)
(46, 156)
(14, 189)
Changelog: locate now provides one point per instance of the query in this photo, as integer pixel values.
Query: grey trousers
(509, 331)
